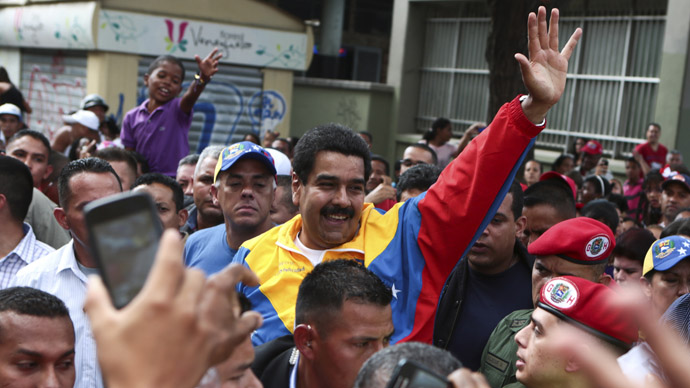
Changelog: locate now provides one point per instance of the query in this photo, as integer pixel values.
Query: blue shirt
(489, 299)
(208, 250)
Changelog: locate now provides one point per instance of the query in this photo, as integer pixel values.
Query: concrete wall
(673, 101)
(362, 106)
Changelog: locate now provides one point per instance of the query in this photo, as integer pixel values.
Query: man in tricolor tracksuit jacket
(415, 245)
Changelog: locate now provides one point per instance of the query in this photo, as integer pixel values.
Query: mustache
(337, 211)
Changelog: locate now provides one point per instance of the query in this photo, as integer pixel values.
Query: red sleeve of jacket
(456, 206)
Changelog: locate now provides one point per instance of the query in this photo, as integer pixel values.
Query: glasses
(410, 162)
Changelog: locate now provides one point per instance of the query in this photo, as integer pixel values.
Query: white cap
(10, 109)
(281, 161)
(83, 117)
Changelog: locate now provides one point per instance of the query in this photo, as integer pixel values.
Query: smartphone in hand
(409, 374)
(124, 231)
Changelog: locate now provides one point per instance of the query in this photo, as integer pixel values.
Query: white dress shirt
(59, 274)
(26, 252)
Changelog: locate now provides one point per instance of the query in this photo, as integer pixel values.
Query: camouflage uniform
(500, 352)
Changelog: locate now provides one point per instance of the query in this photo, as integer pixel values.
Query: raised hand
(544, 73)
(209, 65)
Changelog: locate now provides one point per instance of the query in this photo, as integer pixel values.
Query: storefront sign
(154, 35)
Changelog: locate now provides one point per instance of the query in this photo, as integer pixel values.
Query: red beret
(589, 306)
(581, 240)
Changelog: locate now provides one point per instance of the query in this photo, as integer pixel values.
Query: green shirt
(500, 352)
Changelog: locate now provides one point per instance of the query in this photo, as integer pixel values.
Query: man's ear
(214, 194)
(183, 215)
(146, 80)
(304, 335)
(61, 217)
(49, 171)
(646, 287)
(520, 224)
(296, 189)
(605, 279)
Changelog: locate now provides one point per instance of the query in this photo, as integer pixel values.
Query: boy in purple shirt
(158, 128)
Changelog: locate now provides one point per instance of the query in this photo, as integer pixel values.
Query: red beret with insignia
(580, 240)
(589, 306)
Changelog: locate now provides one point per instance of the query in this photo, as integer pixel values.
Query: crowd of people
(312, 263)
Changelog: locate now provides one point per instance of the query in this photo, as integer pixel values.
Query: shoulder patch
(496, 362)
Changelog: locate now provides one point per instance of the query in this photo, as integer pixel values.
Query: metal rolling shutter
(222, 113)
(53, 82)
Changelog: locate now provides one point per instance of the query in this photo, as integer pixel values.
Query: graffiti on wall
(48, 26)
(269, 110)
(52, 94)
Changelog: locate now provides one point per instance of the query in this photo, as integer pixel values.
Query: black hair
(632, 160)
(91, 165)
(31, 301)
(378, 369)
(618, 201)
(436, 126)
(329, 137)
(330, 284)
(4, 77)
(634, 244)
(654, 124)
(555, 193)
(73, 153)
(421, 146)
(369, 135)
(572, 145)
(31, 133)
(603, 211)
(113, 128)
(560, 160)
(116, 154)
(165, 58)
(286, 141)
(253, 135)
(286, 182)
(192, 159)
(684, 227)
(674, 228)
(518, 199)
(651, 177)
(141, 162)
(154, 177)
(16, 184)
(601, 185)
(383, 160)
(419, 177)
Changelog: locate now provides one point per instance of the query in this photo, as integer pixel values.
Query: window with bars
(610, 92)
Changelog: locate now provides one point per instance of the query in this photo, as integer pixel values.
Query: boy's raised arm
(207, 68)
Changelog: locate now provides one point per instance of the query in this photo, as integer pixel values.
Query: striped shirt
(26, 252)
(59, 274)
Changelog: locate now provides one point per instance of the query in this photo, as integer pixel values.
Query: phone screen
(125, 245)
